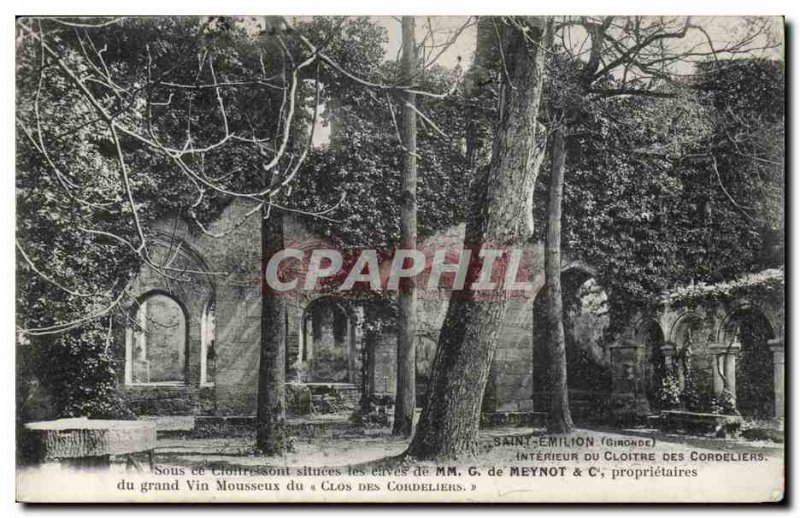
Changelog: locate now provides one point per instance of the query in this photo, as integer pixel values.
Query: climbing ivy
(750, 286)
(655, 185)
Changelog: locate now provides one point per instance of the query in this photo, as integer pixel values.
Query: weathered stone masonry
(324, 332)
(216, 283)
(735, 340)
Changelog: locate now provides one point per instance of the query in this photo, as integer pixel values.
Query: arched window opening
(654, 363)
(687, 337)
(327, 344)
(157, 346)
(755, 386)
(585, 318)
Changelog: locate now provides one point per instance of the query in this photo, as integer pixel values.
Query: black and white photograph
(399, 259)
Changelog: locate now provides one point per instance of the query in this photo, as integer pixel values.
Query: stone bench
(520, 419)
(700, 423)
(86, 442)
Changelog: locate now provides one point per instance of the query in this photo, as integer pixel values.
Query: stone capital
(626, 343)
(720, 348)
(777, 353)
(775, 344)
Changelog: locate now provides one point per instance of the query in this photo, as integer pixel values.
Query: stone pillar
(718, 370)
(628, 398)
(730, 369)
(308, 339)
(668, 352)
(361, 366)
(776, 347)
(352, 353)
(294, 328)
(723, 361)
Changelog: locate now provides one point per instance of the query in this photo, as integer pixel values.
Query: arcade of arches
(730, 349)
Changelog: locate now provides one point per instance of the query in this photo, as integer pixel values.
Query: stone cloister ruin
(195, 348)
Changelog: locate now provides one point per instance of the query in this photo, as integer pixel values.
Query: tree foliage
(687, 185)
(358, 171)
(667, 179)
(113, 120)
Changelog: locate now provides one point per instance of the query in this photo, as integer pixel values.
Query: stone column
(360, 351)
(308, 339)
(776, 347)
(352, 352)
(668, 352)
(718, 371)
(730, 368)
(724, 367)
(628, 396)
(294, 328)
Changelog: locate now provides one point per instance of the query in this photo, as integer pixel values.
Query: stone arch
(685, 341)
(579, 266)
(179, 267)
(726, 329)
(575, 268)
(688, 321)
(182, 247)
(745, 335)
(329, 343)
(649, 333)
(589, 373)
(157, 348)
(643, 324)
(181, 273)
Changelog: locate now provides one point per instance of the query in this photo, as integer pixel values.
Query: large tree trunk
(559, 418)
(479, 79)
(405, 397)
(451, 416)
(271, 437)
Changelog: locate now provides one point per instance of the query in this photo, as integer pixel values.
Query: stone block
(720, 425)
(82, 437)
(298, 399)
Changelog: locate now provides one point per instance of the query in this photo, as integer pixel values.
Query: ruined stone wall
(510, 385)
(384, 376)
(232, 266)
(231, 279)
